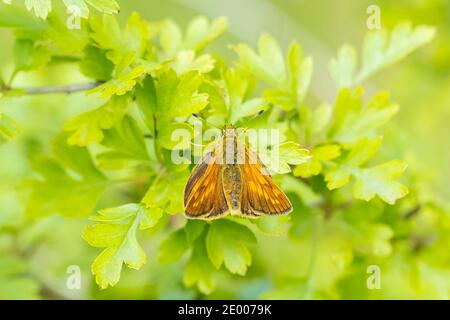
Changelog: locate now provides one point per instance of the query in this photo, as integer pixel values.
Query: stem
(312, 260)
(72, 88)
(156, 146)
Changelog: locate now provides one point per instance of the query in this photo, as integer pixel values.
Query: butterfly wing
(203, 195)
(260, 194)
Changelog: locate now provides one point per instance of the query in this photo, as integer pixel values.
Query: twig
(54, 89)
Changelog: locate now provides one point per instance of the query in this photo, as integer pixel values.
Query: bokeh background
(420, 134)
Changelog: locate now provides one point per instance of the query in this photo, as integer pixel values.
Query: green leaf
(176, 136)
(120, 85)
(267, 63)
(279, 158)
(314, 165)
(369, 182)
(337, 178)
(200, 32)
(380, 50)
(127, 145)
(8, 128)
(28, 55)
(248, 108)
(194, 229)
(173, 247)
(167, 192)
(186, 61)
(95, 65)
(227, 243)
(171, 39)
(116, 232)
(300, 72)
(41, 8)
(343, 68)
(363, 151)
(199, 271)
(177, 96)
(354, 122)
(379, 180)
(88, 127)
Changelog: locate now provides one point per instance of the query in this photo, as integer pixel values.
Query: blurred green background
(419, 134)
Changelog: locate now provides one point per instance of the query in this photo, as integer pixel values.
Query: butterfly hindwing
(203, 195)
(260, 194)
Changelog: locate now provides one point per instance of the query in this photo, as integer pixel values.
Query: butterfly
(232, 180)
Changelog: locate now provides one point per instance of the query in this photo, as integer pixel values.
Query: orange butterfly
(232, 180)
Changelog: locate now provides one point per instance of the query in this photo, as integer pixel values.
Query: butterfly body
(232, 180)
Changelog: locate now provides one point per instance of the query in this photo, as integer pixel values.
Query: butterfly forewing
(260, 194)
(203, 195)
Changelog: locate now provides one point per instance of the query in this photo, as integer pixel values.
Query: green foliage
(115, 230)
(380, 50)
(227, 243)
(349, 196)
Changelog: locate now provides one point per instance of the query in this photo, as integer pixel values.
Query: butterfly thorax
(231, 174)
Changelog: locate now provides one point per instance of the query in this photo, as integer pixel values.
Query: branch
(54, 89)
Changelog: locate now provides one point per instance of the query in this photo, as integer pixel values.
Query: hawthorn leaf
(116, 232)
(279, 158)
(267, 64)
(337, 178)
(120, 85)
(173, 247)
(300, 72)
(28, 55)
(88, 127)
(194, 229)
(379, 180)
(379, 51)
(201, 32)
(247, 108)
(95, 65)
(227, 242)
(199, 271)
(358, 122)
(344, 66)
(186, 61)
(126, 144)
(313, 166)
